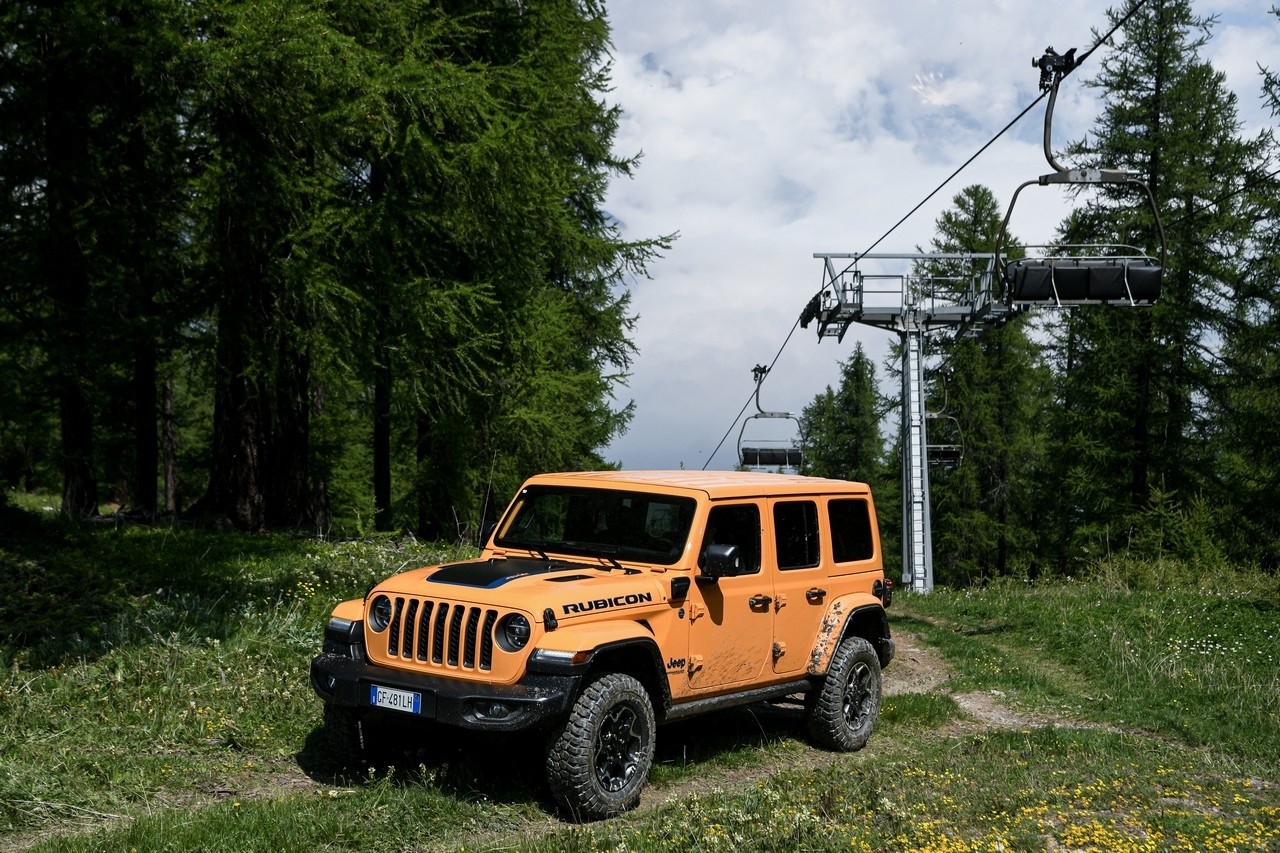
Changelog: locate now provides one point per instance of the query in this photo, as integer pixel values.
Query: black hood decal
(491, 574)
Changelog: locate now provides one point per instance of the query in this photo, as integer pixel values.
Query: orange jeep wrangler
(606, 603)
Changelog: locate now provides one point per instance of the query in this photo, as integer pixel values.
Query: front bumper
(342, 680)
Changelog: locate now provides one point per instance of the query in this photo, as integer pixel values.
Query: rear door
(800, 591)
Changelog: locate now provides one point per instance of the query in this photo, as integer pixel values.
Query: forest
(299, 265)
(308, 265)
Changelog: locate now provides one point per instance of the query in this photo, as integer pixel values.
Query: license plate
(395, 700)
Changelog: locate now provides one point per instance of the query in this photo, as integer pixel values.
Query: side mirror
(723, 561)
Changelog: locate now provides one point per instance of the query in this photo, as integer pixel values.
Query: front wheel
(843, 711)
(353, 742)
(598, 760)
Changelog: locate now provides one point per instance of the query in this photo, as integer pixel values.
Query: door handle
(815, 594)
(759, 601)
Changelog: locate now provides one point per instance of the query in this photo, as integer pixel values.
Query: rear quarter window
(851, 537)
(795, 525)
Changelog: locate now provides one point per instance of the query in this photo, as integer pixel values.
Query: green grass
(996, 792)
(154, 696)
(1199, 663)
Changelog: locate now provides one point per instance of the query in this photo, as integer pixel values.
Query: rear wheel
(843, 711)
(598, 760)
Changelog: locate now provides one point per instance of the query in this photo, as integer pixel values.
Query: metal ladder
(917, 539)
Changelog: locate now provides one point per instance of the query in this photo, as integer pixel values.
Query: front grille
(441, 634)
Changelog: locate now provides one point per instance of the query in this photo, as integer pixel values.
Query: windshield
(599, 522)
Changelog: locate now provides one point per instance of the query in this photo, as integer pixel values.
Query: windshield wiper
(591, 549)
(607, 552)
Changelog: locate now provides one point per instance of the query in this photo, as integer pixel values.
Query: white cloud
(771, 131)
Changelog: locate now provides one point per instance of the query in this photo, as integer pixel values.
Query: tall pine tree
(994, 387)
(840, 429)
(1247, 430)
(1132, 421)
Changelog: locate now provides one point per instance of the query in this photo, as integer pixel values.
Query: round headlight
(514, 632)
(380, 613)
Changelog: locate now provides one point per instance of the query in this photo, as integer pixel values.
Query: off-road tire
(352, 743)
(598, 760)
(843, 711)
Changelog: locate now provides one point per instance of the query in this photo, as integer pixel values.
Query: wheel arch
(642, 660)
(615, 647)
(853, 616)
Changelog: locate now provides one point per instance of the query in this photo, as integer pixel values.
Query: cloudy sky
(773, 130)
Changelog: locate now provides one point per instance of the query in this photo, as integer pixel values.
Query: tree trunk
(288, 487)
(382, 443)
(427, 528)
(246, 309)
(235, 476)
(170, 451)
(321, 508)
(146, 434)
(382, 374)
(67, 269)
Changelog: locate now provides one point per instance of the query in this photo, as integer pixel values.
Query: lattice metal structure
(913, 295)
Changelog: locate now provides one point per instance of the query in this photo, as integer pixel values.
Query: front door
(731, 619)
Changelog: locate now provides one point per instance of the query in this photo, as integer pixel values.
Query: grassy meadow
(154, 696)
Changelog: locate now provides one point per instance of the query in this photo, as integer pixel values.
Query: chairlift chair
(768, 453)
(949, 454)
(1079, 274)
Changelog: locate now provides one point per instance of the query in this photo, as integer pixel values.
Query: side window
(735, 524)
(851, 538)
(795, 523)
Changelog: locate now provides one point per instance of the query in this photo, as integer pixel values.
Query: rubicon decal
(606, 603)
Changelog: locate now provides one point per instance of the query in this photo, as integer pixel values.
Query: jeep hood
(493, 573)
(566, 587)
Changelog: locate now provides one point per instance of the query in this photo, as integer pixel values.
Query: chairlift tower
(966, 293)
(913, 295)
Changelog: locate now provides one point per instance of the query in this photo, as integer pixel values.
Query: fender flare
(843, 614)
(576, 649)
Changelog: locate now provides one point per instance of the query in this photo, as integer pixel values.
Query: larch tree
(276, 79)
(1132, 422)
(1247, 429)
(840, 433)
(556, 265)
(988, 394)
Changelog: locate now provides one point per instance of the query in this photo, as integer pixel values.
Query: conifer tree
(555, 262)
(993, 386)
(840, 429)
(91, 170)
(1247, 433)
(1132, 420)
(275, 79)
